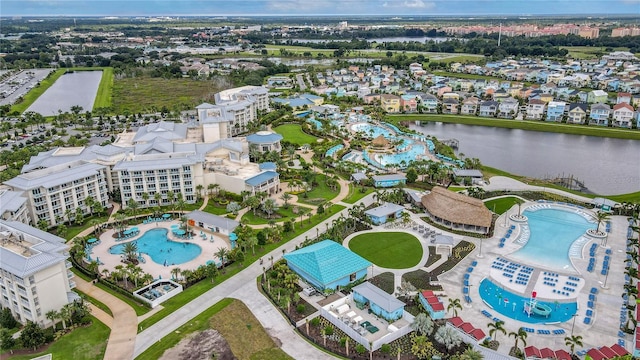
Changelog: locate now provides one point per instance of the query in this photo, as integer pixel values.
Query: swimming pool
(372, 130)
(552, 232)
(407, 156)
(512, 305)
(162, 251)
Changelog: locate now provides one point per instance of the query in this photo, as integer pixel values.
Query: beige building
(34, 272)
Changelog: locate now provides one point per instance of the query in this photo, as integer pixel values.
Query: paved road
(243, 286)
(301, 84)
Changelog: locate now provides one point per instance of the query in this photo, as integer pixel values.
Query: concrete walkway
(243, 286)
(123, 327)
(506, 183)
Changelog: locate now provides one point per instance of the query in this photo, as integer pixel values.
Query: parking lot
(20, 83)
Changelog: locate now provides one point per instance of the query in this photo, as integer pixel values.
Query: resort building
(265, 141)
(475, 176)
(232, 113)
(13, 206)
(432, 304)
(382, 214)
(457, 211)
(379, 302)
(327, 265)
(388, 180)
(56, 193)
(34, 273)
(214, 223)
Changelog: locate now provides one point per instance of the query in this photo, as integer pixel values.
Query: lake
(605, 165)
(71, 89)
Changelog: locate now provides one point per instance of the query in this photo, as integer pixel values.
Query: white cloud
(410, 4)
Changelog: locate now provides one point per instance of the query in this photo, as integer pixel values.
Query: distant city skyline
(317, 7)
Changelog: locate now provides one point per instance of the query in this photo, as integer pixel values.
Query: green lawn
(293, 133)
(320, 193)
(103, 97)
(524, 125)
(199, 323)
(74, 230)
(499, 206)
(94, 302)
(35, 93)
(88, 343)
(391, 250)
(355, 194)
(215, 208)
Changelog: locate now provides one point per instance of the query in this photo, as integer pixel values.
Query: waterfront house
(470, 106)
(428, 103)
(597, 96)
(327, 265)
(379, 302)
(450, 106)
(408, 103)
(390, 103)
(432, 304)
(577, 113)
(535, 109)
(622, 115)
(388, 180)
(371, 98)
(457, 211)
(555, 110)
(488, 108)
(383, 213)
(508, 108)
(600, 114)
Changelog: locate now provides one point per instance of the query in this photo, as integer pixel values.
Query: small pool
(334, 150)
(408, 156)
(553, 231)
(162, 251)
(512, 306)
(372, 131)
(315, 122)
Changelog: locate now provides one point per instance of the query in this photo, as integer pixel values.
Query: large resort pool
(160, 249)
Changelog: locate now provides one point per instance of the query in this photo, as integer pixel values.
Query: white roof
(386, 209)
(55, 175)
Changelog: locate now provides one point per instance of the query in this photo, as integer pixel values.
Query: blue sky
(316, 7)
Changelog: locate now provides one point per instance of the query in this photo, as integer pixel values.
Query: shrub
(385, 348)
(328, 330)
(7, 320)
(315, 321)
(360, 349)
(343, 341)
(301, 308)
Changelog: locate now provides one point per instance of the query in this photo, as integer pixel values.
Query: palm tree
(158, 198)
(171, 196)
(497, 326)
(145, 198)
(199, 189)
(286, 197)
(222, 254)
(600, 217)
(251, 242)
(269, 206)
(454, 306)
(471, 354)
(572, 341)
(175, 272)
(520, 335)
(133, 205)
(130, 251)
(53, 316)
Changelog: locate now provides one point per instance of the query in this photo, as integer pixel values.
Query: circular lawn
(392, 250)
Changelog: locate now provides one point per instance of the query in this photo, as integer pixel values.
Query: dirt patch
(200, 346)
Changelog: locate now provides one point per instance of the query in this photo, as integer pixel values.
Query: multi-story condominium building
(13, 206)
(600, 114)
(57, 192)
(469, 106)
(577, 113)
(622, 115)
(555, 110)
(34, 273)
(535, 109)
(232, 113)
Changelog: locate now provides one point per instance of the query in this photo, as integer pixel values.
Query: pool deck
(605, 322)
(208, 249)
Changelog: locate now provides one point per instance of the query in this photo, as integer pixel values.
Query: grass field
(293, 133)
(246, 337)
(524, 125)
(589, 52)
(499, 206)
(88, 343)
(320, 192)
(199, 323)
(355, 194)
(105, 89)
(391, 250)
(142, 94)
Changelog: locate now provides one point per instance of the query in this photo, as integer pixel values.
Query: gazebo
(380, 142)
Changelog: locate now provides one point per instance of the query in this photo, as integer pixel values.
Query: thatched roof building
(457, 211)
(380, 141)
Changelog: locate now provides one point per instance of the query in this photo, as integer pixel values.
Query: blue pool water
(372, 130)
(334, 149)
(494, 295)
(407, 156)
(552, 233)
(155, 243)
(317, 123)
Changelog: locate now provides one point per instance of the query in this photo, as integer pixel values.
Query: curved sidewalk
(124, 326)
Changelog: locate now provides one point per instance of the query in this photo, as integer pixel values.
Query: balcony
(67, 264)
(72, 284)
(70, 274)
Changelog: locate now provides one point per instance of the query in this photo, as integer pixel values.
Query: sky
(314, 7)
